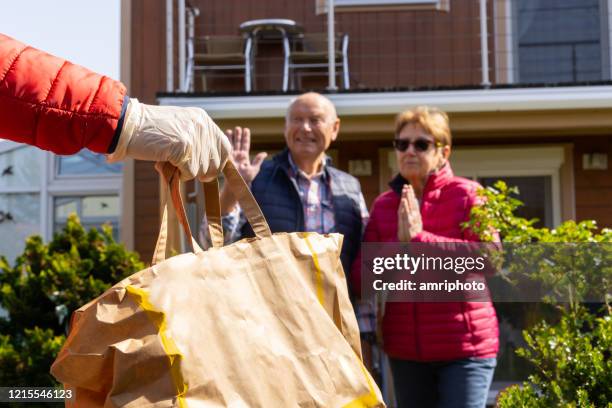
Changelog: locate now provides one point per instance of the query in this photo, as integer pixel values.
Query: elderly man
(299, 189)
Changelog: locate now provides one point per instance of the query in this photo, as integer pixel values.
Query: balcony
(527, 85)
(391, 45)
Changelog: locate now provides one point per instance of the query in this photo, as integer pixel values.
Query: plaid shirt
(315, 194)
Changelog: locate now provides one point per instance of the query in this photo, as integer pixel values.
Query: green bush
(571, 355)
(572, 361)
(40, 292)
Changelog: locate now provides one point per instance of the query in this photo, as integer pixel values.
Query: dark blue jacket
(280, 203)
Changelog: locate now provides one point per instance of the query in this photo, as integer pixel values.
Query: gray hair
(326, 101)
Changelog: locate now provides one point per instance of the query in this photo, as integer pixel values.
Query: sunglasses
(420, 145)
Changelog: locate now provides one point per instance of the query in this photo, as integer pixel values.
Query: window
(561, 40)
(87, 185)
(14, 175)
(535, 171)
(536, 194)
(93, 210)
(20, 202)
(38, 191)
(19, 218)
(86, 163)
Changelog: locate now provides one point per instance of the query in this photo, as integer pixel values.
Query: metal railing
(473, 43)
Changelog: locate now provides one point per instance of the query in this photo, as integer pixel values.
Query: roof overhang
(390, 103)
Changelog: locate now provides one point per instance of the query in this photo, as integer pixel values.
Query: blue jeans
(445, 384)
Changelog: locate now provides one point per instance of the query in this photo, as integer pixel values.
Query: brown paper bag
(264, 322)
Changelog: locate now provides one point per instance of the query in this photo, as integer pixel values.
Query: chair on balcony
(219, 53)
(310, 51)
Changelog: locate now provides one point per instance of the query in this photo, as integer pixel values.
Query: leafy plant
(571, 356)
(573, 364)
(573, 261)
(44, 286)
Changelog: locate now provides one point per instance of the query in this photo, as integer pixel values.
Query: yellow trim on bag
(366, 400)
(172, 351)
(318, 273)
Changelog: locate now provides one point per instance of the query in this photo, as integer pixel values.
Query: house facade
(526, 85)
(539, 118)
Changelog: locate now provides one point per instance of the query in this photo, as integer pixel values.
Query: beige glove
(185, 137)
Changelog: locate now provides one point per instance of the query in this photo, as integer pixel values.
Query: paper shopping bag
(264, 322)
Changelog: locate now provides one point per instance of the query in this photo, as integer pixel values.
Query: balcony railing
(469, 43)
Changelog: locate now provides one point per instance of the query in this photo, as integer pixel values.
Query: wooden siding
(386, 49)
(593, 187)
(148, 77)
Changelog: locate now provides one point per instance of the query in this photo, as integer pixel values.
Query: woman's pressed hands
(409, 222)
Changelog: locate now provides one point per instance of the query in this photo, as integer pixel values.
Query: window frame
(7, 146)
(506, 46)
(90, 220)
(52, 185)
(514, 162)
(606, 38)
(58, 185)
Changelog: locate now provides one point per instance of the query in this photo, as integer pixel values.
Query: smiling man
(299, 189)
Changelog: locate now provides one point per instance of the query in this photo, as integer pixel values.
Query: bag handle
(249, 205)
(213, 212)
(170, 175)
(237, 186)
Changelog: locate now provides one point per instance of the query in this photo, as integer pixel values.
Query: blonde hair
(432, 120)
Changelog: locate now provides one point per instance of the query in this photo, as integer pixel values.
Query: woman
(441, 354)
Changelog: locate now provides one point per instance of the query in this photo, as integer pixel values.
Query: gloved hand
(185, 137)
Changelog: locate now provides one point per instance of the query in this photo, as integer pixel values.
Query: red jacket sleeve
(53, 104)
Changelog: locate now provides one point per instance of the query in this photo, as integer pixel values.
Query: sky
(86, 32)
